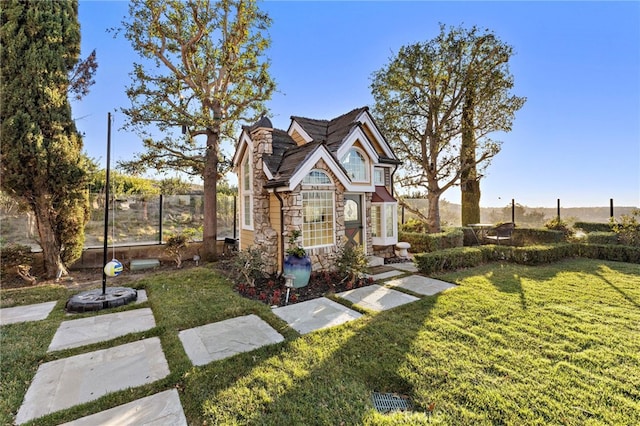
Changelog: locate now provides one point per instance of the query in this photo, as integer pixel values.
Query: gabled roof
(284, 165)
(331, 132)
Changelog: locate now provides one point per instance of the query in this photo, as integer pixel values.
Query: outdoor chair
(500, 233)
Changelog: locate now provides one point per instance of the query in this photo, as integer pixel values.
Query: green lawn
(556, 344)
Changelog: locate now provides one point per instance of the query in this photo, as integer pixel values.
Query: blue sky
(578, 63)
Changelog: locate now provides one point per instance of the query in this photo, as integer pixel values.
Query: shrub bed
(530, 236)
(616, 252)
(593, 227)
(601, 237)
(465, 257)
(425, 243)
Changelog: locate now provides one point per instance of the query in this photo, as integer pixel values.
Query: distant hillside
(529, 216)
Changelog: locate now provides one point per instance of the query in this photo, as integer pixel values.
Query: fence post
(402, 214)
(611, 208)
(513, 210)
(160, 221)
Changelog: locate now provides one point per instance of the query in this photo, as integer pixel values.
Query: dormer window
(355, 163)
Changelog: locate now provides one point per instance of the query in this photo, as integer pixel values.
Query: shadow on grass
(616, 288)
(324, 377)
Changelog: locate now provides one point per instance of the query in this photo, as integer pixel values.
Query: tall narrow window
(318, 218)
(247, 194)
(376, 221)
(391, 220)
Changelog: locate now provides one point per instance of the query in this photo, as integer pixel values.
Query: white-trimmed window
(355, 163)
(318, 218)
(384, 224)
(376, 221)
(247, 193)
(378, 176)
(316, 177)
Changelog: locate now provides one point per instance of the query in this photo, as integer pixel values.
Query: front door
(353, 219)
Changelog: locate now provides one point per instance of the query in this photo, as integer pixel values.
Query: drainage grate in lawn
(386, 402)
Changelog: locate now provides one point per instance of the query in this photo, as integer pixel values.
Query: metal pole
(160, 222)
(235, 215)
(106, 206)
(403, 214)
(611, 207)
(513, 210)
(558, 209)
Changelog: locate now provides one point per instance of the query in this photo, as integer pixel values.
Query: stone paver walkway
(384, 275)
(223, 339)
(406, 267)
(84, 331)
(35, 312)
(316, 314)
(421, 285)
(163, 408)
(376, 298)
(71, 381)
(78, 379)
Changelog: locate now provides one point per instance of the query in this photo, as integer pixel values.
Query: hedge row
(426, 243)
(602, 237)
(529, 236)
(592, 227)
(465, 257)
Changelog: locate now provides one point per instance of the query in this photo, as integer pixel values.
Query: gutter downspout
(281, 228)
(395, 169)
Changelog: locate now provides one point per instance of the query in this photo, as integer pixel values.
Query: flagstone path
(81, 378)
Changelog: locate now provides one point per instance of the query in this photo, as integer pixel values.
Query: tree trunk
(210, 178)
(49, 243)
(433, 217)
(469, 182)
(470, 202)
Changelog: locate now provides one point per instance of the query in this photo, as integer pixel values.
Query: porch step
(375, 261)
(138, 264)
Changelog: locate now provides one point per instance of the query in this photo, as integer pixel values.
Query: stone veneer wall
(265, 237)
(322, 258)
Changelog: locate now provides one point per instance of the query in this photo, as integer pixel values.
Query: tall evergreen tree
(42, 162)
(204, 72)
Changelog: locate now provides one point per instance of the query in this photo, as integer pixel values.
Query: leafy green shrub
(628, 228)
(351, 261)
(599, 237)
(592, 227)
(414, 225)
(250, 265)
(448, 259)
(423, 242)
(619, 253)
(557, 224)
(532, 236)
(540, 254)
(16, 259)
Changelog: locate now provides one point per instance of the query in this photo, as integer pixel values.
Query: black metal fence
(524, 216)
(133, 219)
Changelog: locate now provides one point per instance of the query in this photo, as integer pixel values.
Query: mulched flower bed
(272, 291)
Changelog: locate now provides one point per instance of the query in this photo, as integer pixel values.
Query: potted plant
(297, 264)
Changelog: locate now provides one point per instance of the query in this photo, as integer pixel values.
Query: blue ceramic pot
(300, 268)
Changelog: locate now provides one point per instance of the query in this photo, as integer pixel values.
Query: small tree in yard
(42, 162)
(204, 73)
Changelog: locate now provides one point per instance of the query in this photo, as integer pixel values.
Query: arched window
(316, 177)
(355, 163)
